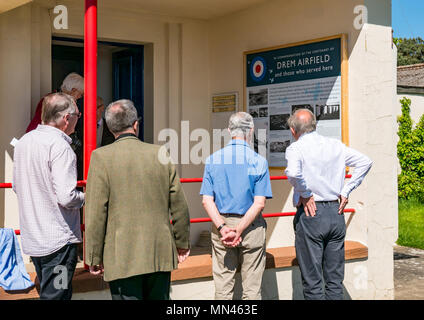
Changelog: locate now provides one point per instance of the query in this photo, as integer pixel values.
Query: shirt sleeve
(294, 172)
(263, 183)
(362, 165)
(64, 178)
(207, 184)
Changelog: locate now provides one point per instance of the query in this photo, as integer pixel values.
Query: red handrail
(82, 183)
(265, 215)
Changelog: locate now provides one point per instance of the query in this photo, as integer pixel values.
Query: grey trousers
(320, 251)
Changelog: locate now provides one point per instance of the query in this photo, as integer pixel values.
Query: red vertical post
(90, 86)
(90, 81)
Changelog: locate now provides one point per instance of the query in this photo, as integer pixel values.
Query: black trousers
(55, 273)
(319, 242)
(151, 286)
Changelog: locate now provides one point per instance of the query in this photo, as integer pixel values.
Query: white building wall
(417, 105)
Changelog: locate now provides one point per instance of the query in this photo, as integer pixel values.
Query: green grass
(411, 223)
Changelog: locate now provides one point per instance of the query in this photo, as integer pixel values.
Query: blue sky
(408, 18)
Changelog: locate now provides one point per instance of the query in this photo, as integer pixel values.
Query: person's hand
(343, 202)
(230, 238)
(309, 205)
(96, 270)
(238, 238)
(182, 254)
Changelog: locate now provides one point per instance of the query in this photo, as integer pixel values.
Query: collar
(54, 130)
(126, 135)
(306, 134)
(238, 141)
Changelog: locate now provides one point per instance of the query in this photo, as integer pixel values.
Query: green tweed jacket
(130, 198)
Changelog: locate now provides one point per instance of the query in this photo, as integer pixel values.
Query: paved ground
(409, 273)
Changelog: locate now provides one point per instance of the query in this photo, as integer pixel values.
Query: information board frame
(343, 71)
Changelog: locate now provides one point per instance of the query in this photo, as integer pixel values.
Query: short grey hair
(55, 106)
(240, 124)
(73, 81)
(299, 125)
(122, 117)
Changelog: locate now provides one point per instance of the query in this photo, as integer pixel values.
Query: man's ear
(293, 132)
(66, 118)
(136, 127)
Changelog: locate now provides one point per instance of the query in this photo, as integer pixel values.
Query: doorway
(120, 70)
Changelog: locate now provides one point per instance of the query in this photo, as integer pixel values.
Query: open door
(128, 79)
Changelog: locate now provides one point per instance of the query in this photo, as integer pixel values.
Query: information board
(281, 79)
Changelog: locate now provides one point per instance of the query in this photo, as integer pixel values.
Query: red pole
(90, 81)
(90, 87)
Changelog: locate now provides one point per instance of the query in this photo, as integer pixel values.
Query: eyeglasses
(76, 114)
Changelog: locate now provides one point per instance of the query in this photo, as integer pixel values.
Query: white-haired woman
(73, 84)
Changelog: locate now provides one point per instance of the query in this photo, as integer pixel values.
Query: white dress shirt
(317, 166)
(44, 180)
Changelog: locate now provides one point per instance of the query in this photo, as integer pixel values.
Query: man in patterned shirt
(45, 180)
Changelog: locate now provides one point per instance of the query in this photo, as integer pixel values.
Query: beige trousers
(250, 255)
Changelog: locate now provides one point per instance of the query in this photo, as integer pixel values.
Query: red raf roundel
(258, 68)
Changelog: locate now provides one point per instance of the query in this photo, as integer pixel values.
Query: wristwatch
(221, 226)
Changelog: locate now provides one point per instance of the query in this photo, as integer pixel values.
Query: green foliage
(410, 150)
(410, 51)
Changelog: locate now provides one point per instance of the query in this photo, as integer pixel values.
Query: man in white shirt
(316, 169)
(45, 180)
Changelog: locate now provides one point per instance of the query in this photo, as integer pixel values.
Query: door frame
(116, 44)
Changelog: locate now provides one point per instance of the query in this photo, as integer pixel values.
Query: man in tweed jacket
(130, 198)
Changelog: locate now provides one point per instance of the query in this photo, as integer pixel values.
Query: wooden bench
(198, 265)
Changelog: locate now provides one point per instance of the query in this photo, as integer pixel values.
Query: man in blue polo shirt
(235, 185)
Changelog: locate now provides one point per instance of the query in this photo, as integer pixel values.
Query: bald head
(302, 121)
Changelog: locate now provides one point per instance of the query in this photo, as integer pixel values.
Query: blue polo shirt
(234, 175)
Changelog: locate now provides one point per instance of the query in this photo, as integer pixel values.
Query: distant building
(410, 84)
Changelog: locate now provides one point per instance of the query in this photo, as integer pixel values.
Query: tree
(410, 51)
(410, 150)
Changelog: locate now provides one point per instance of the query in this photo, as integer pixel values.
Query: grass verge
(411, 223)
